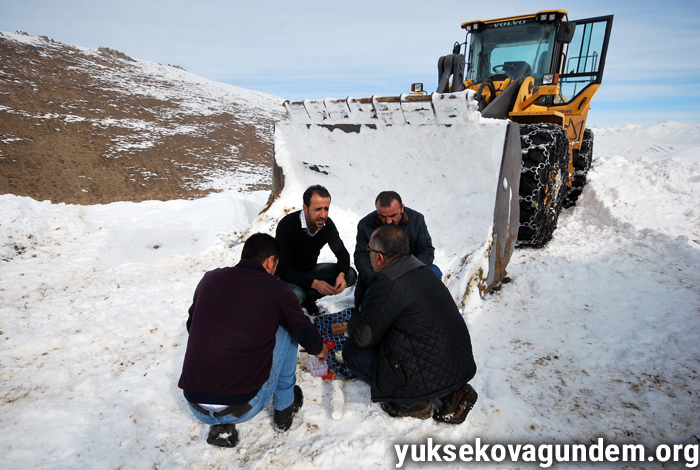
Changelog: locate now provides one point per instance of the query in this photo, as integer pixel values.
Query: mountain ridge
(93, 126)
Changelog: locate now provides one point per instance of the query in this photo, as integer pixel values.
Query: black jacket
(300, 251)
(422, 347)
(419, 241)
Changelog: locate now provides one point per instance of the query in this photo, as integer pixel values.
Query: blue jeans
(327, 272)
(280, 385)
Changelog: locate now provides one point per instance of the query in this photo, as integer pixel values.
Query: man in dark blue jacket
(410, 343)
(245, 327)
(390, 210)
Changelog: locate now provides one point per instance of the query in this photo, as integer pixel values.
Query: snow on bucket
(459, 170)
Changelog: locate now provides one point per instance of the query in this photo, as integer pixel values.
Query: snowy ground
(596, 335)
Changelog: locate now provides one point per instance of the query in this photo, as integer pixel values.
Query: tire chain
(544, 161)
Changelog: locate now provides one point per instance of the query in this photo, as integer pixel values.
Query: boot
(419, 409)
(283, 418)
(456, 405)
(311, 307)
(223, 435)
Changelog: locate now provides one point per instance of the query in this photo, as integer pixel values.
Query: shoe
(223, 435)
(456, 405)
(311, 307)
(420, 410)
(284, 418)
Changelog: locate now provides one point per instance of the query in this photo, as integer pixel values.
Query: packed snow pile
(429, 166)
(594, 337)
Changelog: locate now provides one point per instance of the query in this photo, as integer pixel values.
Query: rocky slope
(92, 126)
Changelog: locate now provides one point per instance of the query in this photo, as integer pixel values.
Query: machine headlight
(547, 79)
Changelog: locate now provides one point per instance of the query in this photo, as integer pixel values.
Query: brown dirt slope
(96, 126)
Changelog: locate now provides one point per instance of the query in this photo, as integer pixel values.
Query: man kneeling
(244, 328)
(410, 342)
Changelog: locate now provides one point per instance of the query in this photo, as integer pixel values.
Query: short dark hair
(315, 189)
(385, 197)
(261, 246)
(391, 241)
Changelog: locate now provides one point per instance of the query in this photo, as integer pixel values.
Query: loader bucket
(460, 170)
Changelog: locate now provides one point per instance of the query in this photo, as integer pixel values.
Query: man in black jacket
(390, 210)
(301, 235)
(410, 343)
(245, 327)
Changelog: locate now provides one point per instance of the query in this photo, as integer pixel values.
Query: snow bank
(654, 141)
(449, 174)
(26, 223)
(596, 335)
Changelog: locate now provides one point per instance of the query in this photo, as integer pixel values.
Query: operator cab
(545, 46)
(514, 48)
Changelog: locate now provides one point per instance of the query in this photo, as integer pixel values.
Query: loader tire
(543, 177)
(582, 163)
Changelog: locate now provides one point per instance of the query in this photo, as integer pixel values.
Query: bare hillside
(96, 126)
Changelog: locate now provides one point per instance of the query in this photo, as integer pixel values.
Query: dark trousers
(327, 272)
(358, 360)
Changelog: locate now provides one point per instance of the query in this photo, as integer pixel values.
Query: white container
(337, 399)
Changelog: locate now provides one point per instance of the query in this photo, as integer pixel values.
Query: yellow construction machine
(540, 70)
(488, 158)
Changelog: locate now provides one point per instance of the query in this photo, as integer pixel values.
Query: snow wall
(463, 177)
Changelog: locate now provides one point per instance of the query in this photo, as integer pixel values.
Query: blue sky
(317, 49)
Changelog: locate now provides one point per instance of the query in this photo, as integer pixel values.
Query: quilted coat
(421, 344)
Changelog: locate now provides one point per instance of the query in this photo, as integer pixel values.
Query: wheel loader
(488, 158)
(541, 71)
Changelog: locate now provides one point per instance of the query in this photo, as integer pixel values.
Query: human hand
(323, 287)
(340, 283)
(323, 355)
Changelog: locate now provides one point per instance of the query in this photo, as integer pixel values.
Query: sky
(316, 49)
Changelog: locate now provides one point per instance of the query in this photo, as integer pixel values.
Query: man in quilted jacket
(410, 342)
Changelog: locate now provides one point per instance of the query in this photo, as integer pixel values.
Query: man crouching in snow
(244, 328)
(410, 342)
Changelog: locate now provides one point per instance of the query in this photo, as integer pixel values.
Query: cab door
(584, 61)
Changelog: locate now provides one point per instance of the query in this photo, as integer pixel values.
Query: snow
(595, 336)
(393, 158)
(660, 140)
